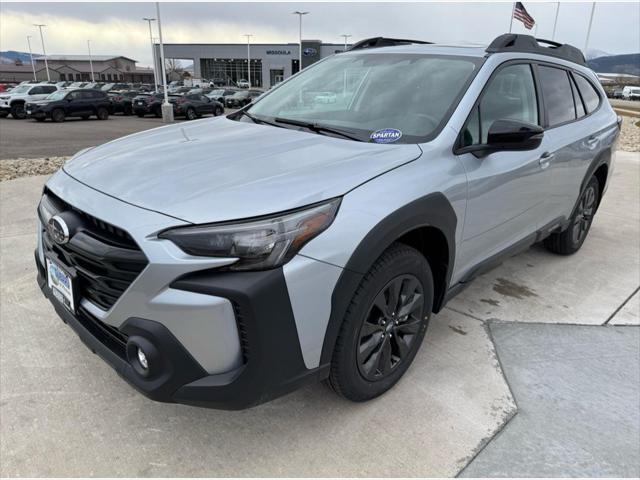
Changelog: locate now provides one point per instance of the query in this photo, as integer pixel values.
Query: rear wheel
(102, 113)
(571, 239)
(58, 115)
(218, 111)
(384, 325)
(18, 112)
(191, 114)
(157, 111)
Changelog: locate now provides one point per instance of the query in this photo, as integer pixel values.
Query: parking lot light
(248, 35)
(153, 53)
(345, 36)
(167, 108)
(33, 65)
(44, 51)
(300, 14)
(90, 60)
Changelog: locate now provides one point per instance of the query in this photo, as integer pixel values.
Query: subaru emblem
(58, 230)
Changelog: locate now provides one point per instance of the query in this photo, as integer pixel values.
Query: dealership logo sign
(310, 52)
(386, 135)
(278, 52)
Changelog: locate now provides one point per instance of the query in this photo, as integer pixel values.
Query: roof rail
(377, 42)
(510, 42)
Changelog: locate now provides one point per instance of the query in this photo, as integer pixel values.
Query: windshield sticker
(386, 135)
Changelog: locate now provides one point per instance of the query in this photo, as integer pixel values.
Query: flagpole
(555, 22)
(513, 8)
(586, 42)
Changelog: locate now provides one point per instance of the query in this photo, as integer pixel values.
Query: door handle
(545, 158)
(592, 141)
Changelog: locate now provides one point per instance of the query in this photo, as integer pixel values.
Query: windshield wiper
(255, 119)
(315, 127)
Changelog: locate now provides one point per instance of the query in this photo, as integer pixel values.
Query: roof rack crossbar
(511, 42)
(378, 42)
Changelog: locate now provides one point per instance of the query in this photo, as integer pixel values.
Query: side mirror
(514, 135)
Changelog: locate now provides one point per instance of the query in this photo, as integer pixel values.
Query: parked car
(192, 106)
(63, 104)
(122, 101)
(77, 85)
(631, 93)
(227, 262)
(150, 104)
(617, 94)
(242, 83)
(241, 98)
(13, 102)
(220, 94)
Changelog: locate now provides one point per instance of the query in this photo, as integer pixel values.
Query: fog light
(142, 358)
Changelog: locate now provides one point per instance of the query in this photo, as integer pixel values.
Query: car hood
(219, 169)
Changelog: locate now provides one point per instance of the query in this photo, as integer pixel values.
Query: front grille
(106, 258)
(108, 335)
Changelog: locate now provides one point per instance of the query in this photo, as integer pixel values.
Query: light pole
(586, 42)
(90, 60)
(300, 14)
(345, 36)
(33, 65)
(44, 52)
(167, 108)
(248, 35)
(153, 52)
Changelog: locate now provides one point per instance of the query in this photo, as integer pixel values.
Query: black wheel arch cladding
(433, 210)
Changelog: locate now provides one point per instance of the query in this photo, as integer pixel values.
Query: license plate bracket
(62, 283)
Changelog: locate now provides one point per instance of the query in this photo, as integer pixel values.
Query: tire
(102, 113)
(157, 112)
(190, 114)
(218, 111)
(18, 112)
(571, 239)
(58, 115)
(371, 336)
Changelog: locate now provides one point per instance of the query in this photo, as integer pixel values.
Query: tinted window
(36, 91)
(75, 95)
(580, 112)
(510, 95)
(49, 89)
(558, 97)
(589, 95)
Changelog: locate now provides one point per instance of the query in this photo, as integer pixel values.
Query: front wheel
(18, 112)
(571, 239)
(384, 325)
(191, 114)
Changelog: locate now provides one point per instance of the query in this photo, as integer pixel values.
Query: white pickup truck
(13, 102)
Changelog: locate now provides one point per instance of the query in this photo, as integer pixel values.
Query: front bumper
(272, 359)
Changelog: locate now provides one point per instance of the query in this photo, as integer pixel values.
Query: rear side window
(580, 111)
(589, 95)
(36, 91)
(49, 89)
(558, 97)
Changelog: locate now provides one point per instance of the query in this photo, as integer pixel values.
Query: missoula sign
(278, 52)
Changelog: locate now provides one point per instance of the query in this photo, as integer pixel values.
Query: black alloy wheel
(18, 112)
(584, 214)
(218, 111)
(102, 113)
(390, 327)
(58, 115)
(191, 114)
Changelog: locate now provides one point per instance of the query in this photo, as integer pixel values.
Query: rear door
(571, 139)
(506, 189)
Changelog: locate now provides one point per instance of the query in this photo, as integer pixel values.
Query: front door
(507, 189)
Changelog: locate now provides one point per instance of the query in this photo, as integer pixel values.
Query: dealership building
(227, 63)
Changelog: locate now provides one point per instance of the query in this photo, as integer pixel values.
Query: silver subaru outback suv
(311, 235)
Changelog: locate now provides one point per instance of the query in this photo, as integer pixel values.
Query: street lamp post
(90, 61)
(33, 65)
(300, 14)
(44, 52)
(248, 35)
(345, 36)
(153, 53)
(167, 108)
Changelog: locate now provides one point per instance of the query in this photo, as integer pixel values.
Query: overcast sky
(117, 28)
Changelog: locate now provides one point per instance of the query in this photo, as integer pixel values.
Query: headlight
(260, 244)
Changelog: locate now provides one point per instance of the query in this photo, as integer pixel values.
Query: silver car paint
(204, 324)
(252, 170)
(218, 169)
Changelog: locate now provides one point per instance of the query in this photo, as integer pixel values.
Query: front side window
(558, 97)
(588, 92)
(510, 95)
(362, 93)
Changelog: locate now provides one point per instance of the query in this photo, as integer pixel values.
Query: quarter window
(558, 97)
(580, 111)
(511, 94)
(589, 94)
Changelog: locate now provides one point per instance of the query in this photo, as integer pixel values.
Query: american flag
(520, 13)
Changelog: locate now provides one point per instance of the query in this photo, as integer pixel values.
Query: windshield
(216, 92)
(59, 95)
(21, 89)
(409, 95)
